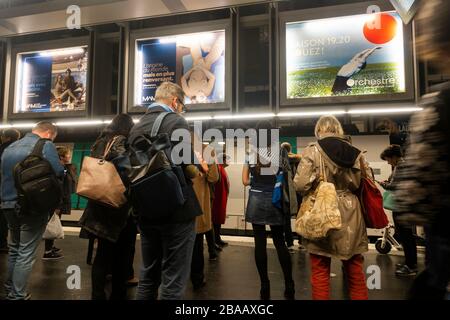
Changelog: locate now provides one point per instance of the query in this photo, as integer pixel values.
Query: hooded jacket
(342, 168)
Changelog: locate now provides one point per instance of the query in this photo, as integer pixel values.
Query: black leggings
(284, 257)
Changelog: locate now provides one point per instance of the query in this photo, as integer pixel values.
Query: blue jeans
(166, 260)
(25, 236)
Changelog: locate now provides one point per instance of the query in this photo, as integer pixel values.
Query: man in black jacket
(167, 248)
(8, 136)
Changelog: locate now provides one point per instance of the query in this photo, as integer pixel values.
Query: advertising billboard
(195, 61)
(345, 56)
(51, 80)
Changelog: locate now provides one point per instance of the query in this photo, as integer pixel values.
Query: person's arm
(49, 152)
(246, 175)
(184, 85)
(306, 172)
(211, 81)
(213, 173)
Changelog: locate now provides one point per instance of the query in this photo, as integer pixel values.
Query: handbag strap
(363, 166)
(109, 146)
(322, 173)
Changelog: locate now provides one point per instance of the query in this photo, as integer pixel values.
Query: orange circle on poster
(380, 29)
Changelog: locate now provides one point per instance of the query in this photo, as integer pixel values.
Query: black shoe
(56, 250)
(213, 256)
(52, 256)
(264, 293)
(289, 291)
(198, 286)
(218, 248)
(221, 243)
(406, 271)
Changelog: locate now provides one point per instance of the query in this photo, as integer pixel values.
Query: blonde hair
(328, 124)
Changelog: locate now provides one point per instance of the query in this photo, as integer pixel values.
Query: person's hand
(356, 64)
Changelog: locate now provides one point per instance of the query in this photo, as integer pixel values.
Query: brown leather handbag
(99, 180)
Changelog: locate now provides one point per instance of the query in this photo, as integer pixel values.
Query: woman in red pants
(342, 167)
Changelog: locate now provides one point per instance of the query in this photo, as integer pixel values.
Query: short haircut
(62, 151)
(394, 150)
(328, 124)
(287, 146)
(11, 133)
(45, 126)
(167, 90)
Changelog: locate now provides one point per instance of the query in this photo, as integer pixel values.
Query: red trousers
(320, 277)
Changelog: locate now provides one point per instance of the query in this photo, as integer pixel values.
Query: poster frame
(173, 30)
(334, 12)
(32, 47)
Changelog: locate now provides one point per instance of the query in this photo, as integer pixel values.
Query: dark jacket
(100, 220)
(68, 187)
(422, 192)
(172, 122)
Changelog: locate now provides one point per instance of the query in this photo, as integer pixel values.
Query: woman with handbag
(261, 175)
(393, 155)
(336, 161)
(113, 227)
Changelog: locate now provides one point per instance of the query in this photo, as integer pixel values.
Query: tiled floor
(232, 276)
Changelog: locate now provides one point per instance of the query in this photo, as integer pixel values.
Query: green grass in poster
(318, 82)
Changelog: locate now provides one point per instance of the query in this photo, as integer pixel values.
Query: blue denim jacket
(15, 153)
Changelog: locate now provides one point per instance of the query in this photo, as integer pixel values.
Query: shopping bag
(54, 229)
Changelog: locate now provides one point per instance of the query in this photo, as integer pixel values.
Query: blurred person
(221, 192)
(26, 229)
(391, 127)
(393, 155)
(294, 160)
(261, 212)
(68, 188)
(114, 229)
(167, 248)
(207, 175)
(8, 136)
(342, 168)
(422, 189)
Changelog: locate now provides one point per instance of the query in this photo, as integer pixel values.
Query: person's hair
(287, 146)
(433, 36)
(121, 124)
(394, 150)
(328, 124)
(44, 126)
(389, 125)
(264, 124)
(167, 90)
(62, 151)
(11, 133)
(68, 70)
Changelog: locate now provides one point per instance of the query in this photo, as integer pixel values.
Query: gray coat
(351, 239)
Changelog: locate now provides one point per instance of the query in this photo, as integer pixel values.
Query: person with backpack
(262, 211)
(334, 160)
(28, 203)
(8, 136)
(114, 228)
(167, 243)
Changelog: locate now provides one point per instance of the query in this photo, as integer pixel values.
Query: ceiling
(32, 16)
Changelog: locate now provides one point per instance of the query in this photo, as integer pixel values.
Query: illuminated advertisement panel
(51, 80)
(195, 61)
(345, 56)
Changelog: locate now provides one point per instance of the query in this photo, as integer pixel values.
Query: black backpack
(158, 187)
(38, 189)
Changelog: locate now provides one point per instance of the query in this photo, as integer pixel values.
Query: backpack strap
(157, 124)
(39, 147)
